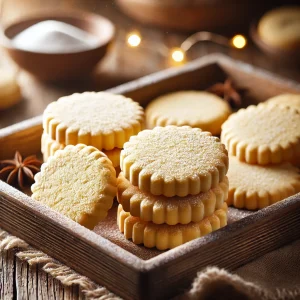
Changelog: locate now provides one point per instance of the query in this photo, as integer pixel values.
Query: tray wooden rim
(216, 58)
(73, 227)
(145, 268)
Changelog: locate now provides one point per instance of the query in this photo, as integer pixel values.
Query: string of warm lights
(178, 54)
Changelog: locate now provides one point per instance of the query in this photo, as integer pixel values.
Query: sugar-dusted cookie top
(79, 182)
(263, 134)
(165, 236)
(170, 210)
(255, 187)
(174, 160)
(102, 120)
(292, 100)
(193, 108)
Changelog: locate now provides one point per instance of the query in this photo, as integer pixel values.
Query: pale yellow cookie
(193, 108)
(174, 161)
(170, 210)
(292, 100)
(79, 182)
(280, 28)
(49, 147)
(165, 236)
(255, 187)
(10, 92)
(263, 134)
(103, 120)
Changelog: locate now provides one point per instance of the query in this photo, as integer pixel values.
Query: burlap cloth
(275, 275)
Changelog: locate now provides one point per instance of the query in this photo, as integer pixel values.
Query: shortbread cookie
(49, 147)
(103, 120)
(174, 161)
(263, 134)
(280, 28)
(174, 210)
(193, 108)
(255, 187)
(292, 100)
(79, 182)
(10, 92)
(165, 236)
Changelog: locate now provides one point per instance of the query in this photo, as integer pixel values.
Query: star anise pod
(228, 92)
(19, 172)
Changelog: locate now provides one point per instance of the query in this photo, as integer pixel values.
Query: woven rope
(51, 266)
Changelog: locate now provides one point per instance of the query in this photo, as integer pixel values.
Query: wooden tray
(132, 271)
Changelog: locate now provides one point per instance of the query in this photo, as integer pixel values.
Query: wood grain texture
(169, 273)
(20, 136)
(19, 281)
(7, 282)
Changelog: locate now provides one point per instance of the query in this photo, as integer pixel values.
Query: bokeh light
(239, 41)
(178, 55)
(134, 39)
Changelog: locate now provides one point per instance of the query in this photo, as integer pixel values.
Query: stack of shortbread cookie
(103, 120)
(263, 142)
(172, 187)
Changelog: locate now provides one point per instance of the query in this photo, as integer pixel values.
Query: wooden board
(131, 271)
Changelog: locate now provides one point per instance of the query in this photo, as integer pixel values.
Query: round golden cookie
(165, 236)
(174, 210)
(280, 28)
(193, 108)
(263, 134)
(292, 100)
(79, 182)
(255, 187)
(49, 147)
(10, 92)
(103, 120)
(174, 161)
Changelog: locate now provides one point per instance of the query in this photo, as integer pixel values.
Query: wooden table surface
(17, 279)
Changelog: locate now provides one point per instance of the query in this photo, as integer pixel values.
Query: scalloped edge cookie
(165, 236)
(49, 147)
(101, 138)
(260, 195)
(137, 164)
(62, 166)
(174, 210)
(255, 153)
(292, 100)
(191, 108)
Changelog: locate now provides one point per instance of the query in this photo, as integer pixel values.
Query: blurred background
(147, 35)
